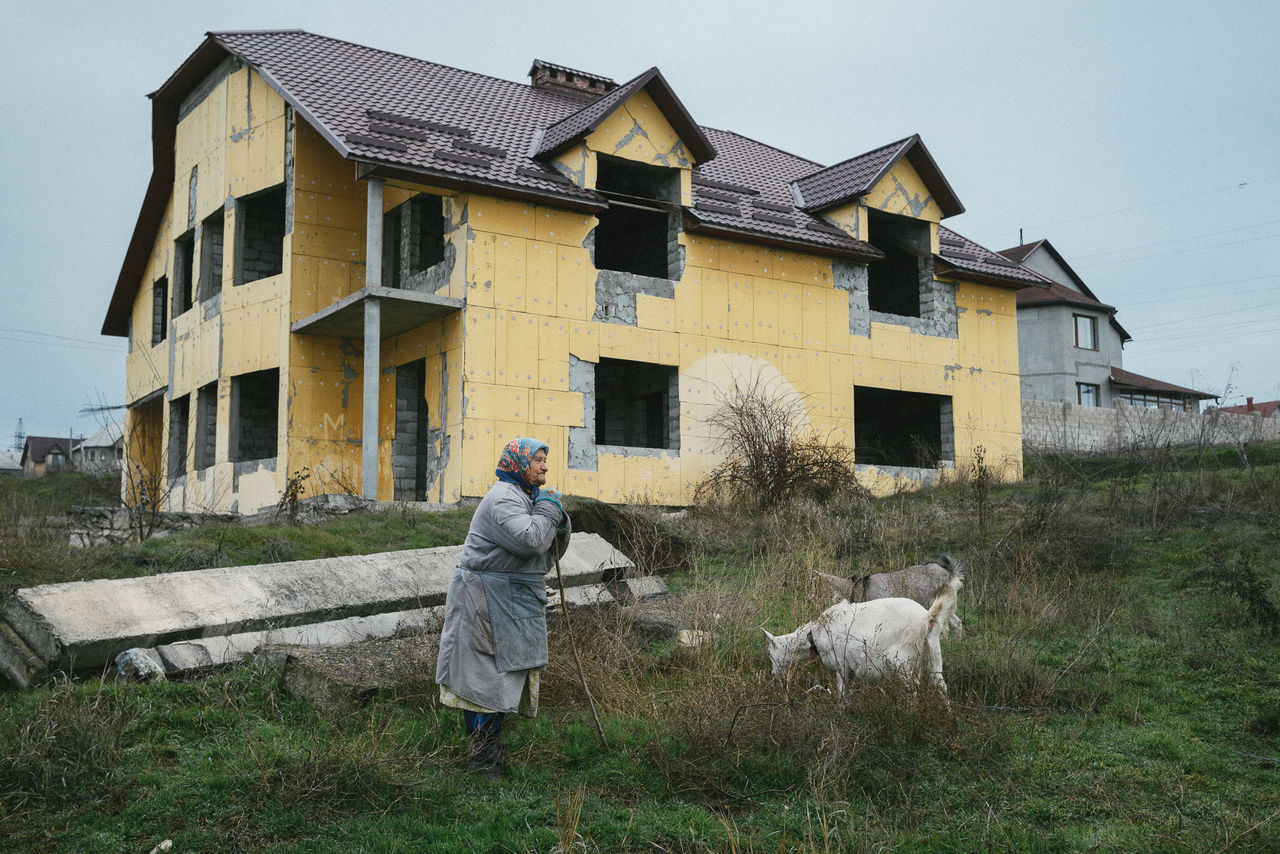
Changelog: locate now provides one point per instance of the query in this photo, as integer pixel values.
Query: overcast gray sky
(1140, 138)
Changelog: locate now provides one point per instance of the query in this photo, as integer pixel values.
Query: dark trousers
(489, 723)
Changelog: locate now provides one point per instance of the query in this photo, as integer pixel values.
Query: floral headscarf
(515, 460)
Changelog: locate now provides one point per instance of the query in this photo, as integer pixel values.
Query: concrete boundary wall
(1054, 426)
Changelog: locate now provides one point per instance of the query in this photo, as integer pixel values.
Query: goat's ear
(772, 640)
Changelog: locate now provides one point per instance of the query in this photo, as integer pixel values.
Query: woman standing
(494, 642)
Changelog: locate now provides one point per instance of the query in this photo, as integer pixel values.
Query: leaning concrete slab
(84, 625)
(189, 657)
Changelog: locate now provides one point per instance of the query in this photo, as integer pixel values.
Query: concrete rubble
(189, 621)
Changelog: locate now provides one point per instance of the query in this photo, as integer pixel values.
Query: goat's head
(786, 650)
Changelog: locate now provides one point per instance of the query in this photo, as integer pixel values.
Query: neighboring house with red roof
(1071, 347)
(44, 454)
(358, 271)
(1265, 409)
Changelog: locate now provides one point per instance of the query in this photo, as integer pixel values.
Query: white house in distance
(1070, 345)
(101, 452)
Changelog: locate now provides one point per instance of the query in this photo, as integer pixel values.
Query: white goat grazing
(920, 582)
(868, 640)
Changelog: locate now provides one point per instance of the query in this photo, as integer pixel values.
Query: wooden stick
(568, 627)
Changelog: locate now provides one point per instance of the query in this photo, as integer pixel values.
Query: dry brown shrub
(771, 454)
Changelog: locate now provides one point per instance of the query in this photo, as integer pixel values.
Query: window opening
(261, 230)
(893, 285)
(636, 234)
(206, 425)
(255, 400)
(391, 246)
(412, 238)
(409, 447)
(902, 428)
(145, 432)
(1086, 331)
(211, 255)
(1087, 394)
(179, 410)
(426, 246)
(159, 310)
(637, 404)
(183, 272)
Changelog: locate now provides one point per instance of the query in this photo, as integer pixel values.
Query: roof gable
(38, 448)
(639, 131)
(575, 127)
(857, 176)
(1042, 257)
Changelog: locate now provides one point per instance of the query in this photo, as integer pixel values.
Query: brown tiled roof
(565, 132)
(1020, 253)
(746, 188)
(1267, 409)
(1121, 377)
(1058, 293)
(857, 176)
(406, 117)
(397, 111)
(958, 255)
(38, 447)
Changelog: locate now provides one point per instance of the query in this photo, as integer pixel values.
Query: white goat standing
(868, 640)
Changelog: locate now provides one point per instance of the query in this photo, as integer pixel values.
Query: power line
(1200, 317)
(1176, 240)
(1239, 185)
(1183, 251)
(73, 345)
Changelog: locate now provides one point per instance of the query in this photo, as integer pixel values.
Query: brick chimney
(557, 78)
(1249, 404)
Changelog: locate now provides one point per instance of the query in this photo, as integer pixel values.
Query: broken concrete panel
(645, 586)
(185, 657)
(19, 664)
(189, 657)
(85, 624)
(340, 678)
(596, 594)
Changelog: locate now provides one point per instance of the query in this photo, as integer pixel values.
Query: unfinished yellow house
(359, 272)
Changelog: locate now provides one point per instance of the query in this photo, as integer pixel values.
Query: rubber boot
(486, 755)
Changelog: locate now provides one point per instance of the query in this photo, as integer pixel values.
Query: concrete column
(372, 340)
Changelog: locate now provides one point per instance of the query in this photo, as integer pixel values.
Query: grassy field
(1117, 689)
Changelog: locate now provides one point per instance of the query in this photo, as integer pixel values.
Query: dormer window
(894, 283)
(637, 234)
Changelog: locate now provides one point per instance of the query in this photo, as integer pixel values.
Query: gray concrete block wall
(1051, 425)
